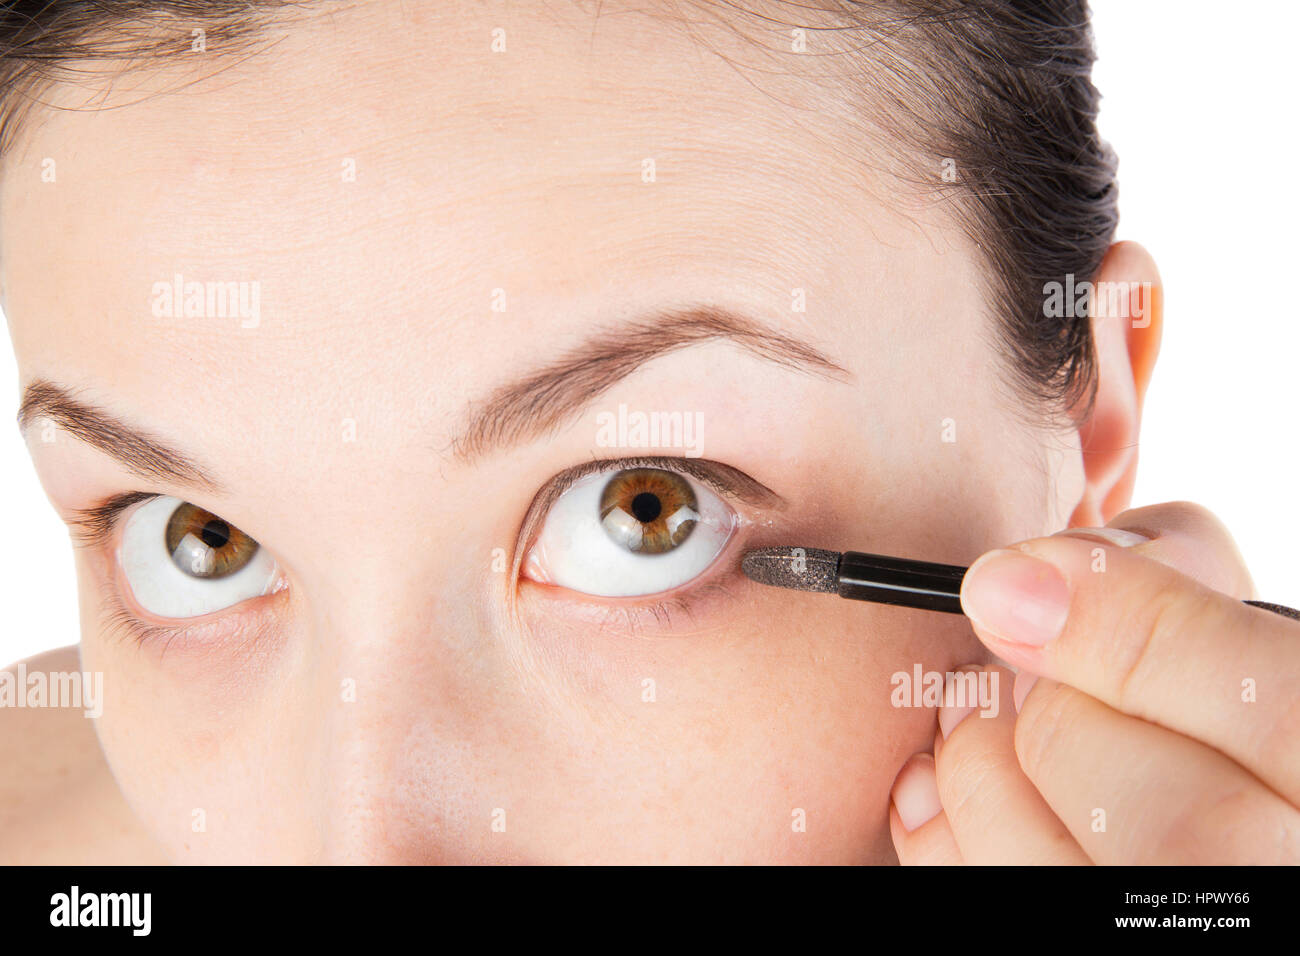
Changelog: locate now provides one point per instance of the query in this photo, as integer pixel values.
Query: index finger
(1148, 641)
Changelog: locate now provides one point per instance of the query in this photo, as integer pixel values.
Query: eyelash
(121, 622)
(629, 618)
(691, 467)
(93, 528)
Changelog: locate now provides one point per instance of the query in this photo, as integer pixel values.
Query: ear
(1127, 309)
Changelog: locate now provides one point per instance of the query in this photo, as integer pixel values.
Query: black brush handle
(888, 580)
(884, 579)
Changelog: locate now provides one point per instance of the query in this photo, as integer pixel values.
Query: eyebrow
(513, 413)
(135, 448)
(535, 405)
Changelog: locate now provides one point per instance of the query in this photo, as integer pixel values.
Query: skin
(472, 690)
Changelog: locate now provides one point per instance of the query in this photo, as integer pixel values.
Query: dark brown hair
(997, 91)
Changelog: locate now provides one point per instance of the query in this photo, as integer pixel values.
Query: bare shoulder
(58, 800)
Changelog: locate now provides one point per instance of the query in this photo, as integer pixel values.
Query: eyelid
(720, 477)
(208, 630)
(121, 620)
(92, 527)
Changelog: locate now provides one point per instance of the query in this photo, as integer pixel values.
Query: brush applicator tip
(802, 569)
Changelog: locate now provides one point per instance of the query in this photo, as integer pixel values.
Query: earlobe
(1127, 318)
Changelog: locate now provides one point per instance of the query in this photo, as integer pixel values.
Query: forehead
(389, 175)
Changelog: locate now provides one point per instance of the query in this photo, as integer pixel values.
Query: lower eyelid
(217, 648)
(673, 613)
(120, 622)
(123, 616)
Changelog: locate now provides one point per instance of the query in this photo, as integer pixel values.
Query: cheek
(182, 742)
(767, 735)
(181, 783)
(774, 738)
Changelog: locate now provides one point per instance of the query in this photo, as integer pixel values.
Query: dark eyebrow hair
(512, 413)
(536, 404)
(133, 447)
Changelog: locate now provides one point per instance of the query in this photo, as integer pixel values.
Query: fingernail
(1116, 536)
(916, 793)
(1024, 684)
(1016, 597)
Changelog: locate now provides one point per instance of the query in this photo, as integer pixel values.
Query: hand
(1162, 725)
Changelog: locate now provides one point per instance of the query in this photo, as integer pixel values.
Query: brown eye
(648, 510)
(204, 546)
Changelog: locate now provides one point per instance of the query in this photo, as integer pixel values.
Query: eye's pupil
(215, 534)
(646, 507)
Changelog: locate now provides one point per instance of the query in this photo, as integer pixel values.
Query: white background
(1200, 107)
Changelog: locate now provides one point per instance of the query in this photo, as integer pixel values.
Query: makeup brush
(877, 577)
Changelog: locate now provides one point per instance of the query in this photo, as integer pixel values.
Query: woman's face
(433, 231)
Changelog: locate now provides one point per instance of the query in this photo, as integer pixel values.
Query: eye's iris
(648, 510)
(204, 546)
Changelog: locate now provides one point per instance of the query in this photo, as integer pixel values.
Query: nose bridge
(399, 651)
(386, 660)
